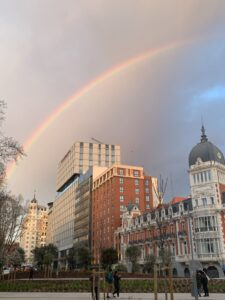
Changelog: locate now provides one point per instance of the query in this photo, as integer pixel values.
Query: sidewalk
(87, 296)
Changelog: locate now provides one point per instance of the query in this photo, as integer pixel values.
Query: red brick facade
(112, 192)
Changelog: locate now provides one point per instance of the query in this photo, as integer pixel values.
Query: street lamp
(193, 267)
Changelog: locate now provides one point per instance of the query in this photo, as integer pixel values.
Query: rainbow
(87, 88)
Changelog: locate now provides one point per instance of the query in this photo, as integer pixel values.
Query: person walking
(205, 280)
(95, 282)
(109, 281)
(199, 282)
(116, 278)
(224, 269)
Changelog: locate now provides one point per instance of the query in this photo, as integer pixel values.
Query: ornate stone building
(168, 223)
(34, 229)
(207, 182)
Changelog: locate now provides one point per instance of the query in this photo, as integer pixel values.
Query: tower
(207, 182)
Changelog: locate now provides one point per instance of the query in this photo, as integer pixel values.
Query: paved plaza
(87, 296)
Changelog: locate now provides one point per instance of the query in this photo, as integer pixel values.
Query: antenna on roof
(95, 140)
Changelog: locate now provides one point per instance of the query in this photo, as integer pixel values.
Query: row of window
(203, 201)
(137, 191)
(207, 246)
(207, 223)
(147, 198)
(122, 207)
(202, 177)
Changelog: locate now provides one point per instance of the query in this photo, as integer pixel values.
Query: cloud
(49, 49)
(212, 94)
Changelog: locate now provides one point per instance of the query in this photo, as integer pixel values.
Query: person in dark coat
(116, 278)
(31, 273)
(94, 278)
(205, 281)
(199, 282)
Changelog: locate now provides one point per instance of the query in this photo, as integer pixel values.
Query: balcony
(182, 258)
(209, 257)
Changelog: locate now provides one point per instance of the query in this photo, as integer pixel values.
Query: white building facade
(34, 229)
(207, 182)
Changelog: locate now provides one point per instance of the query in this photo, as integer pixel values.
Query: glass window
(121, 189)
(147, 198)
(121, 198)
(121, 171)
(136, 173)
(194, 177)
(204, 201)
(136, 191)
(209, 175)
(146, 190)
(201, 177)
(121, 207)
(147, 206)
(121, 180)
(136, 181)
(137, 200)
(146, 182)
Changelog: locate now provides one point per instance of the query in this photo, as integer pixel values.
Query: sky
(152, 107)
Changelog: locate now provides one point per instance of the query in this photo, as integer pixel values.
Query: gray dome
(206, 151)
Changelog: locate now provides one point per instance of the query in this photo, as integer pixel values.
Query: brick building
(113, 190)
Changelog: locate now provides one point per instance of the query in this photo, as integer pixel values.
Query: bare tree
(11, 211)
(11, 220)
(10, 149)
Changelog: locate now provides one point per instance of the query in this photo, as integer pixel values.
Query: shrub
(121, 268)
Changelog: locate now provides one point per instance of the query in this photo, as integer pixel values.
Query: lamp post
(193, 267)
(162, 234)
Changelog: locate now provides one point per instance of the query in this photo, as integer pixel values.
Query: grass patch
(129, 286)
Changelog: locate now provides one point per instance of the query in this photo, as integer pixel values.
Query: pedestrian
(94, 278)
(199, 282)
(116, 278)
(31, 273)
(109, 281)
(205, 280)
(224, 269)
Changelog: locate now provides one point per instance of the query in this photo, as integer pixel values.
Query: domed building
(207, 182)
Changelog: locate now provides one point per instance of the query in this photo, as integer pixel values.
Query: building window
(209, 175)
(136, 181)
(212, 200)
(196, 202)
(194, 177)
(137, 200)
(136, 173)
(185, 247)
(136, 191)
(147, 198)
(204, 201)
(147, 182)
(121, 198)
(121, 207)
(121, 171)
(146, 190)
(121, 189)
(121, 180)
(223, 197)
(147, 206)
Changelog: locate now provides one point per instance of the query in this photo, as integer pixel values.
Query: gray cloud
(49, 49)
